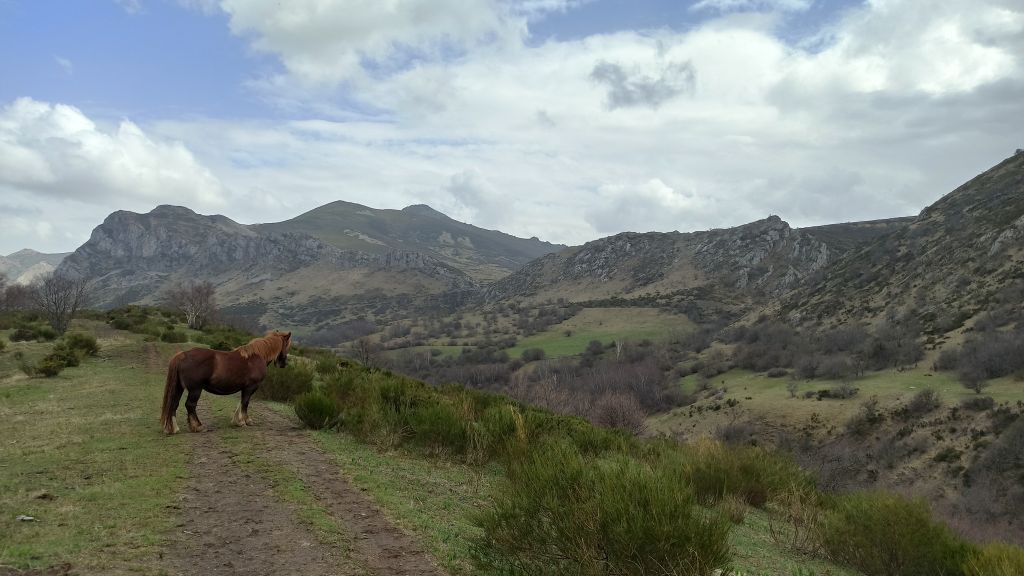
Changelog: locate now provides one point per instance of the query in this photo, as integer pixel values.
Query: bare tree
(58, 296)
(197, 300)
(365, 351)
(17, 297)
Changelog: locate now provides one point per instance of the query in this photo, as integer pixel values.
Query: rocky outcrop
(131, 255)
(766, 257)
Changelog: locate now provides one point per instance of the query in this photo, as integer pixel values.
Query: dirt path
(241, 527)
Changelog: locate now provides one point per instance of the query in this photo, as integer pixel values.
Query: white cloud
(891, 106)
(747, 5)
(56, 151)
(652, 205)
(130, 6)
(65, 65)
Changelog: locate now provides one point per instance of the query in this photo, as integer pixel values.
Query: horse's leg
(175, 400)
(190, 405)
(246, 396)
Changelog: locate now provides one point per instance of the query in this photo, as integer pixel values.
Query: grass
(605, 325)
(754, 553)
(87, 438)
(431, 498)
(768, 398)
(287, 485)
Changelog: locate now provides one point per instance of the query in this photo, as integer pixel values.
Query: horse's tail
(170, 391)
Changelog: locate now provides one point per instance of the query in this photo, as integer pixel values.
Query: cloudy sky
(563, 119)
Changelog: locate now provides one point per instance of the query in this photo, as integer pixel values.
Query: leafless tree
(17, 297)
(197, 300)
(365, 351)
(58, 296)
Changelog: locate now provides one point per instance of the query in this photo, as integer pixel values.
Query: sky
(568, 120)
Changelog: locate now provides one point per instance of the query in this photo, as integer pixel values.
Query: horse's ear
(287, 335)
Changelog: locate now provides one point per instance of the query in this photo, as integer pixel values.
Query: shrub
(866, 419)
(533, 354)
(794, 523)
(559, 512)
(734, 509)
(715, 471)
(882, 534)
(173, 336)
(438, 426)
(47, 367)
(316, 410)
(45, 334)
(996, 559)
(23, 335)
(83, 343)
(3, 344)
(621, 411)
(776, 372)
(284, 384)
(65, 355)
(978, 403)
(924, 402)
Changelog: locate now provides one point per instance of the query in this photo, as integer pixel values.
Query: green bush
(560, 512)
(23, 334)
(83, 343)
(438, 426)
(883, 534)
(996, 559)
(3, 344)
(284, 384)
(45, 334)
(48, 367)
(317, 410)
(715, 471)
(174, 336)
(65, 355)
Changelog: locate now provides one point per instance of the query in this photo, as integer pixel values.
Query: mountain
(273, 277)
(726, 267)
(24, 266)
(485, 255)
(954, 260)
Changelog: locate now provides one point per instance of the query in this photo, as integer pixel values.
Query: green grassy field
(605, 325)
(83, 455)
(768, 398)
(88, 442)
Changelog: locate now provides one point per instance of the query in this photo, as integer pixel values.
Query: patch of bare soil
(62, 570)
(380, 546)
(232, 522)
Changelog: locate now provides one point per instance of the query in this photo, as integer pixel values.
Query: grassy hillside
(84, 455)
(485, 255)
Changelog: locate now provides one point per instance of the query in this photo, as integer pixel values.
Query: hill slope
(24, 266)
(718, 269)
(271, 276)
(949, 263)
(485, 255)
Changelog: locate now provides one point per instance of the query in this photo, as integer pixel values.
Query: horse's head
(286, 341)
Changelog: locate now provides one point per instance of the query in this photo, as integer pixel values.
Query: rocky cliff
(760, 259)
(962, 256)
(135, 257)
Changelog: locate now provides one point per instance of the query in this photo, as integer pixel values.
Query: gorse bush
(883, 534)
(83, 343)
(284, 384)
(715, 471)
(173, 336)
(562, 512)
(23, 335)
(316, 410)
(996, 559)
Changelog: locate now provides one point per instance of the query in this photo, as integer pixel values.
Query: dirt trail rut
(240, 527)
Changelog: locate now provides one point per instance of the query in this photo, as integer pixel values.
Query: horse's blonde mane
(267, 347)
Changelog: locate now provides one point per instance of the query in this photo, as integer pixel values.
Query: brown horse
(240, 370)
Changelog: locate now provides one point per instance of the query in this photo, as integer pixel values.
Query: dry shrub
(794, 520)
(620, 411)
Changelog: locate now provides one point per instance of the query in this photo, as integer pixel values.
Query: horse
(240, 370)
